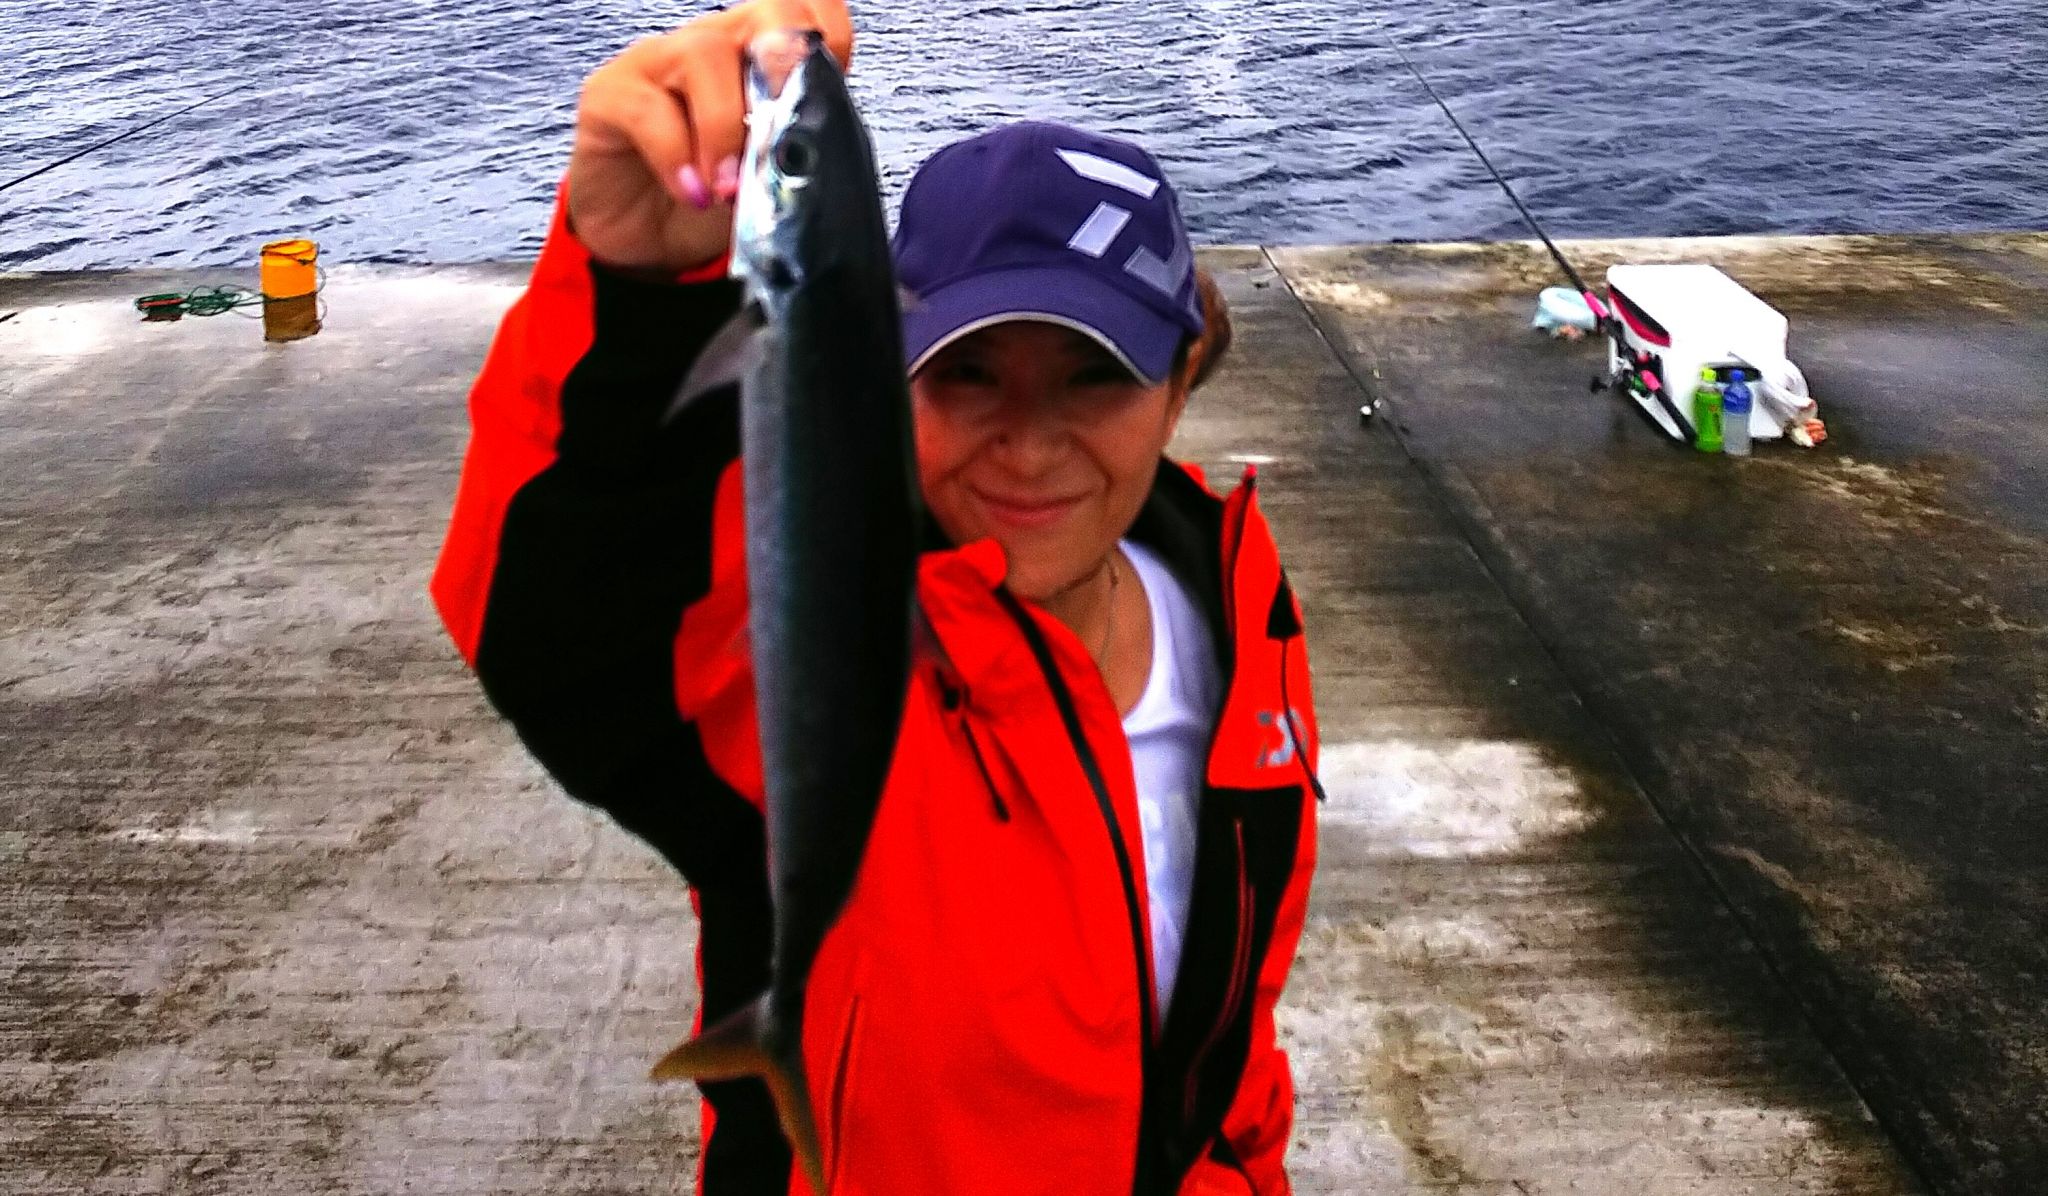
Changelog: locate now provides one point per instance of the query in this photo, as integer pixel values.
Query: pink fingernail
(727, 183)
(693, 187)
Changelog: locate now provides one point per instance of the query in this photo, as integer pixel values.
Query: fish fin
(728, 1050)
(792, 1093)
(739, 1046)
(729, 356)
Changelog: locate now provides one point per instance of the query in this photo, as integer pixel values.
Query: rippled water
(430, 130)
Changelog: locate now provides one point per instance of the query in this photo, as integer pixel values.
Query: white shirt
(1169, 732)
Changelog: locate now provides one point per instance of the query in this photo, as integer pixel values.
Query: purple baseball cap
(1040, 221)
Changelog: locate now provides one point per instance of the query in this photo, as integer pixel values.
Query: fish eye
(795, 156)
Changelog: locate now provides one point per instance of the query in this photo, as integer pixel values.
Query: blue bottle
(1735, 404)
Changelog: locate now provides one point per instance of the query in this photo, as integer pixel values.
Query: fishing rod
(1599, 309)
(1644, 369)
(118, 137)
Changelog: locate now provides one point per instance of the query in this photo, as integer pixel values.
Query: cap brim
(1143, 340)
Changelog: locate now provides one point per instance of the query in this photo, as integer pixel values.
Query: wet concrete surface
(1829, 669)
(288, 909)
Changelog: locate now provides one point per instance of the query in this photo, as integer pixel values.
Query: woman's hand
(659, 130)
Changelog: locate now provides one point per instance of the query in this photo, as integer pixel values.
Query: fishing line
(119, 137)
(1528, 217)
(1643, 372)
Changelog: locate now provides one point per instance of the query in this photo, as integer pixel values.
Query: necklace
(1109, 619)
(1108, 623)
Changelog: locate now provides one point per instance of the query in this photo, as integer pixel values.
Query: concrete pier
(1828, 670)
(1620, 892)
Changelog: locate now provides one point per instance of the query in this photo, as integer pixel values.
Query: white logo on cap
(1099, 169)
(1103, 225)
(1096, 234)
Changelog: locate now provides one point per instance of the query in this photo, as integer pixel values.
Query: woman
(1087, 877)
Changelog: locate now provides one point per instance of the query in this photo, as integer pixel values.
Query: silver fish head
(799, 119)
(809, 244)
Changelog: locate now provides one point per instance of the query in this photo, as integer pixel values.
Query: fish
(832, 518)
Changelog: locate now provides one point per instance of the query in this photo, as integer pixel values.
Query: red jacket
(981, 1020)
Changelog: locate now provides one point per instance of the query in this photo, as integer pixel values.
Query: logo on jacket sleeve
(1281, 747)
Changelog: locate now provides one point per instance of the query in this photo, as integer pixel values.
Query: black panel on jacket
(600, 555)
(1200, 1057)
(1183, 523)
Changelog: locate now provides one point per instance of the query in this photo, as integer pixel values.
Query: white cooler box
(1688, 317)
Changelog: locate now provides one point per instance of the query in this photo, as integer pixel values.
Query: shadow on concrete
(1513, 975)
(1830, 670)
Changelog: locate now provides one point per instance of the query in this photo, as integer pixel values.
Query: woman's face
(1033, 434)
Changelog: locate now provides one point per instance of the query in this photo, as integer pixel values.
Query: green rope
(200, 301)
(213, 300)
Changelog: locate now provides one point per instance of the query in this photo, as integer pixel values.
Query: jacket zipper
(1063, 699)
(1070, 718)
(1240, 962)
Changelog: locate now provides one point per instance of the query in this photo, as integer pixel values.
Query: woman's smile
(1025, 512)
(1032, 434)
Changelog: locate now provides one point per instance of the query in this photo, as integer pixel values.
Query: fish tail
(746, 1044)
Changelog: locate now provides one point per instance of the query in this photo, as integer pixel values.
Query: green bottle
(1706, 412)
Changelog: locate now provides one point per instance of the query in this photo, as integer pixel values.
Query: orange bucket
(289, 269)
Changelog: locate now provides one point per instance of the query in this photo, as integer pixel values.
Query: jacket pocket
(953, 700)
(988, 780)
(843, 1075)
